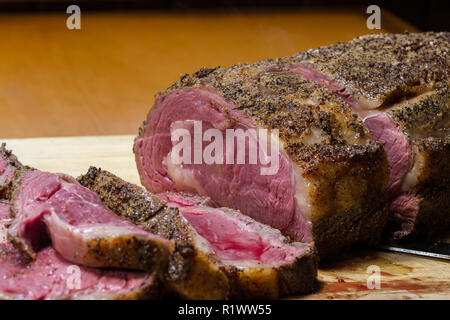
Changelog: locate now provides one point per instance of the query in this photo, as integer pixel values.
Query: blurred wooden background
(101, 80)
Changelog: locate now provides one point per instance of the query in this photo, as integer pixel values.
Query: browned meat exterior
(211, 276)
(340, 174)
(374, 70)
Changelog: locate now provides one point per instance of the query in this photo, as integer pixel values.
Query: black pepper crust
(207, 277)
(11, 159)
(383, 67)
(121, 197)
(128, 252)
(9, 156)
(276, 98)
(435, 162)
(426, 115)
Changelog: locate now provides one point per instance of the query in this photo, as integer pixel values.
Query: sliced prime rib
(399, 85)
(421, 203)
(50, 276)
(234, 256)
(332, 176)
(81, 228)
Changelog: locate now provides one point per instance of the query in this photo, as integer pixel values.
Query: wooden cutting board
(401, 276)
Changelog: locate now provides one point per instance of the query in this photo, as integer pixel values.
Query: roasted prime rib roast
(363, 130)
(234, 256)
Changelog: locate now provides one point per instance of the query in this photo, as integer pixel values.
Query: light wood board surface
(101, 79)
(402, 276)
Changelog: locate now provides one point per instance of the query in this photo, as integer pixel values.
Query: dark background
(425, 15)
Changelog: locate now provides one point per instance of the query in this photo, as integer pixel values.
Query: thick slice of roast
(50, 276)
(331, 180)
(420, 204)
(82, 230)
(234, 256)
(399, 85)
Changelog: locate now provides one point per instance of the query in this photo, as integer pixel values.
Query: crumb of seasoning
(340, 280)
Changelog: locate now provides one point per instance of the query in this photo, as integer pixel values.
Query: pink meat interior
(308, 71)
(43, 194)
(270, 199)
(50, 276)
(234, 239)
(384, 130)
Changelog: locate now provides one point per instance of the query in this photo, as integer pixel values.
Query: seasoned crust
(383, 67)
(426, 115)
(272, 283)
(277, 98)
(434, 161)
(140, 253)
(347, 194)
(11, 159)
(208, 277)
(130, 200)
(9, 156)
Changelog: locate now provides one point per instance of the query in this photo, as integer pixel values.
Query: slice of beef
(82, 230)
(234, 256)
(420, 204)
(202, 279)
(399, 85)
(331, 179)
(49, 276)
